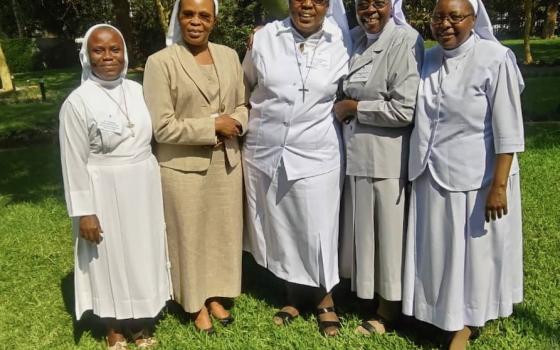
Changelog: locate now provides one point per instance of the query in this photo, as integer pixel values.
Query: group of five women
(415, 151)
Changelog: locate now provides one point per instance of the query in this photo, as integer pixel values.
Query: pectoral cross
(303, 91)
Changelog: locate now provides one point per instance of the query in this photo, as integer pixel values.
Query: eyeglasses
(378, 4)
(452, 19)
(314, 2)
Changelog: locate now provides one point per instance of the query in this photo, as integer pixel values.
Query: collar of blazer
(369, 52)
(193, 69)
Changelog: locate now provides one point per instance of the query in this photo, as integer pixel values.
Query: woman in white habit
(292, 153)
(113, 194)
(463, 262)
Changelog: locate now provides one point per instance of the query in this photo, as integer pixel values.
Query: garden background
(36, 261)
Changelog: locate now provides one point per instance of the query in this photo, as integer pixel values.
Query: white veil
(84, 56)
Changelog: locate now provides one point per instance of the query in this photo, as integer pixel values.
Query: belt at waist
(107, 160)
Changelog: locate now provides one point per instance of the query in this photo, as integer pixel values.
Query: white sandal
(145, 343)
(120, 345)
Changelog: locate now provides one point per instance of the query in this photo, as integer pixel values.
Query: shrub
(22, 54)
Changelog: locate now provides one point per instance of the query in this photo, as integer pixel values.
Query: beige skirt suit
(201, 178)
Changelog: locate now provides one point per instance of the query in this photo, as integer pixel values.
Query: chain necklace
(304, 81)
(129, 124)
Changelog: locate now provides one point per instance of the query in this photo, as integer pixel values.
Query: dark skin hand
(496, 201)
(90, 229)
(345, 110)
(227, 127)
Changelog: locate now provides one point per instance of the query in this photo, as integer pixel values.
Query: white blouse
(287, 124)
(468, 111)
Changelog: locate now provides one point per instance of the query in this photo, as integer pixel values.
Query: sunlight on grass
(36, 262)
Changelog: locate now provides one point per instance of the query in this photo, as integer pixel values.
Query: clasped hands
(345, 110)
(227, 127)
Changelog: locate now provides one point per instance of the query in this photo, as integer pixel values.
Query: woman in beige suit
(195, 93)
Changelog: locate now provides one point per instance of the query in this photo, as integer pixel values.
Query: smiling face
(106, 53)
(452, 35)
(197, 19)
(373, 15)
(308, 15)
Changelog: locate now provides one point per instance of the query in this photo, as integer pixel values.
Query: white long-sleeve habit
(109, 171)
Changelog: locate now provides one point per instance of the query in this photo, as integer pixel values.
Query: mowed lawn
(36, 263)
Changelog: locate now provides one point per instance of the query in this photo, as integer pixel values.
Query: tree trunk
(17, 16)
(5, 75)
(122, 18)
(550, 22)
(527, 32)
(163, 14)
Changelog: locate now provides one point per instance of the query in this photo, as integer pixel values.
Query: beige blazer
(176, 94)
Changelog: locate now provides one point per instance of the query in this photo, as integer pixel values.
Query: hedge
(22, 54)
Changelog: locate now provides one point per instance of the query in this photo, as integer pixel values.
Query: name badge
(362, 75)
(110, 125)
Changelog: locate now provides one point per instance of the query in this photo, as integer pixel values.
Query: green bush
(22, 54)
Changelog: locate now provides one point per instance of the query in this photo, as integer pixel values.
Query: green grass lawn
(36, 263)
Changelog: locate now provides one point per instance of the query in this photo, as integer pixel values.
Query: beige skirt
(204, 218)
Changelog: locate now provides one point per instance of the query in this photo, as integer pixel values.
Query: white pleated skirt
(291, 227)
(127, 275)
(460, 270)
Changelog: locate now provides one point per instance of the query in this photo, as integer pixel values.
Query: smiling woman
(106, 54)
(113, 193)
(292, 161)
(464, 262)
(194, 90)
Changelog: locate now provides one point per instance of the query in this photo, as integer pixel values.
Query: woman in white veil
(464, 263)
(113, 194)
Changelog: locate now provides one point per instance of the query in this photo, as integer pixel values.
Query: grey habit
(384, 77)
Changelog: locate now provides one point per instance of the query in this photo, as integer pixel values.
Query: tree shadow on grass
(261, 284)
(30, 174)
(89, 322)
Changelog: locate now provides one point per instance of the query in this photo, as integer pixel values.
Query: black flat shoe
(226, 321)
(207, 331)
(285, 316)
(324, 325)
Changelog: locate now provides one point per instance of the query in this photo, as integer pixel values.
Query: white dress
(292, 153)
(112, 173)
(460, 270)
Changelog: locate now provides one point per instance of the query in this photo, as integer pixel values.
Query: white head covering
(337, 15)
(174, 34)
(483, 28)
(84, 55)
(396, 12)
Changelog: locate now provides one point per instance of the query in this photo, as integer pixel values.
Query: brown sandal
(323, 325)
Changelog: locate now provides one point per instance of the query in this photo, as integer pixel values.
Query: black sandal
(388, 325)
(226, 321)
(323, 325)
(285, 316)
